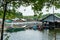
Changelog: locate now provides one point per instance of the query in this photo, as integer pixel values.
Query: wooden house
(51, 21)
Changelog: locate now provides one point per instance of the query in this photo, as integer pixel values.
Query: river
(32, 35)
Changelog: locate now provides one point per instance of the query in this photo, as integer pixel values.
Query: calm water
(32, 35)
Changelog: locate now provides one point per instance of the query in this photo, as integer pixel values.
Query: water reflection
(33, 35)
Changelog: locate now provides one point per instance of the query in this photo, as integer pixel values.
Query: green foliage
(26, 17)
(37, 5)
(40, 15)
(10, 14)
(19, 15)
(45, 15)
(1, 13)
(58, 14)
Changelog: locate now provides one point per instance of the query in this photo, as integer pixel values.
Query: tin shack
(51, 21)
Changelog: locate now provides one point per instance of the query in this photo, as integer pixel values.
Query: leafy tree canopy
(37, 5)
(10, 14)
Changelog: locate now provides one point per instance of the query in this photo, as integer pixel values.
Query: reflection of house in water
(51, 21)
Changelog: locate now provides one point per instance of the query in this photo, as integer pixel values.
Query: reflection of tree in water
(54, 35)
(46, 35)
(51, 35)
(6, 36)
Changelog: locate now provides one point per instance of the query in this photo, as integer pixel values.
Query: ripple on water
(33, 35)
(26, 35)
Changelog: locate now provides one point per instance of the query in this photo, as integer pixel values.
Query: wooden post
(54, 35)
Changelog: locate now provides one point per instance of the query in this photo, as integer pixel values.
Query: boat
(14, 29)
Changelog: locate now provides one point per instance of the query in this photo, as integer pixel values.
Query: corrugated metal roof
(51, 18)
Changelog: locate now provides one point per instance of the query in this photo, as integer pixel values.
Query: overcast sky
(27, 11)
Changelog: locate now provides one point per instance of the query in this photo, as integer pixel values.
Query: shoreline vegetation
(23, 29)
(33, 17)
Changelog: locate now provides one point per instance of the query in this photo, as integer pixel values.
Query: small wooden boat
(14, 29)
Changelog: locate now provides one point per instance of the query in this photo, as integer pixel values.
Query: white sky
(27, 11)
(50, 10)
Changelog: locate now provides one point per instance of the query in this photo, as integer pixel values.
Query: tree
(19, 15)
(1, 13)
(10, 14)
(40, 15)
(37, 5)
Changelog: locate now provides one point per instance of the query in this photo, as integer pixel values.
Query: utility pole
(54, 21)
(5, 9)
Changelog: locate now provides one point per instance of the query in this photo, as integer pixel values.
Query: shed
(51, 21)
